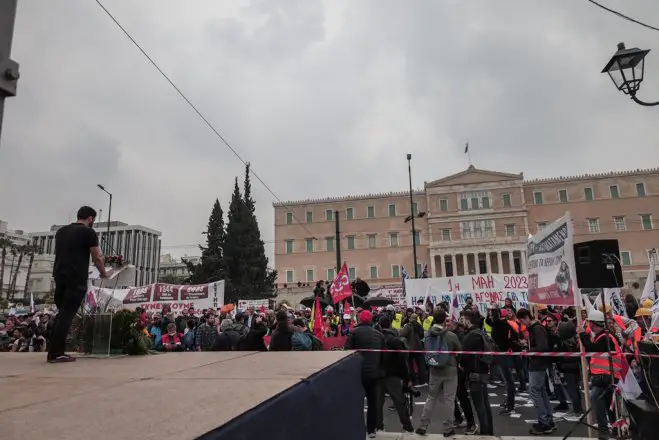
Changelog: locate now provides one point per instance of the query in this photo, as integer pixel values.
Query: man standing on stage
(73, 245)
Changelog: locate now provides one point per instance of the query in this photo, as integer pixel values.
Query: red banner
(340, 288)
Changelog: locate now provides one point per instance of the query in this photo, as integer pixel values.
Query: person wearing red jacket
(171, 341)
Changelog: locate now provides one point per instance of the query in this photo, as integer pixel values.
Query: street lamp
(412, 214)
(626, 68)
(107, 234)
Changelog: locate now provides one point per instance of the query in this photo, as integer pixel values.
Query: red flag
(262, 308)
(317, 319)
(340, 288)
(346, 307)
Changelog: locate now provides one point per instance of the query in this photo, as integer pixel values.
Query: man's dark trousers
(69, 295)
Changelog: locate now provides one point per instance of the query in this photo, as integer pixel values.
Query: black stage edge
(328, 405)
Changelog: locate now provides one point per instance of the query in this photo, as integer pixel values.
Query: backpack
(301, 342)
(436, 343)
(489, 345)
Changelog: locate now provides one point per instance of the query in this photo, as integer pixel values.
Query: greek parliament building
(475, 221)
(139, 246)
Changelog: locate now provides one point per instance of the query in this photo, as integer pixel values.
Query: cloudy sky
(323, 97)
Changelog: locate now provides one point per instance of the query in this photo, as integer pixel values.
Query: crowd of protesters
(26, 333)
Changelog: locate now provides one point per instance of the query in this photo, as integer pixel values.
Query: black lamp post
(412, 214)
(626, 68)
(107, 234)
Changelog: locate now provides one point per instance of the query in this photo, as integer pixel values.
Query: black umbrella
(309, 301)
(377, 301)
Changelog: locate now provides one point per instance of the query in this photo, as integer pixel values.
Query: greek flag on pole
(405, 276)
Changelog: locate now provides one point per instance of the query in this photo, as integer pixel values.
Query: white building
(19, 237)
(138, 245)
(175, 267)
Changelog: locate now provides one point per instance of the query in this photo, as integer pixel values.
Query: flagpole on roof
(468, 153)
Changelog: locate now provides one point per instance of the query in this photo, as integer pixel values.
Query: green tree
(211, 266)
(247, 190)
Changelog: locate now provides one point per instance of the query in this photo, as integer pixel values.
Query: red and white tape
(511, 353)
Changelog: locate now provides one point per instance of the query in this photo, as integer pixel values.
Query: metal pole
(8, 68)
(107, 234)
(412, 214)
(337, 241)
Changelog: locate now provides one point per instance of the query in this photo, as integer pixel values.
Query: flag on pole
(628, 385)
(32, 307)
(317, 314)
(467, 148)
(425, 271)
(649, 290)
(340, 288)
(454, 309)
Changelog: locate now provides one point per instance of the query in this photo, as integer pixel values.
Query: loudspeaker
(597, 264)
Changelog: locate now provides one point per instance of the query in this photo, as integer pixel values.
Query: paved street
(516, 424)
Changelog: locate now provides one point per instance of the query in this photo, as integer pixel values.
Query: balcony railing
(502, 239)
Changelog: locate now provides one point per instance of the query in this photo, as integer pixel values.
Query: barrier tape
(513, 353)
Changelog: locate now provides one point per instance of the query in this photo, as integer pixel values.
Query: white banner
(393, 292)
(253, 303)
(550, 265)
(483, 289)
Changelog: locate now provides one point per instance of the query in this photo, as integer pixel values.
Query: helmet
(647, 303)
(643, 312)
(347, 316)
(606, 309)
(541, 307)
(329, 309)
(390, 308)
(595, 316)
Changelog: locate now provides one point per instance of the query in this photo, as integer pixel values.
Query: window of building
(626, 258)
(331, 273)
(289, 218)
(415, 208)
(309, 242)
(640, 189)
(289, 246)
(443, 205)
(329, 243)
(370, 212)
(615, 193)
(510, 230)
(371, 241)
(350, 213)
(446, 235)
(593, 225)
(620, 223)
(395, 271)
(474, 203)
(417, 238)
(537, 198)
(541, 226)
(393, 239)
(646, 221)
(588, 193)
(351, 241)
(290, 276)
(373, 272)
(329, 215)
(507, 202)
(486, 202)
(392, 210)
(309, 216)
(477, 229)
(464, 204)
(310, 275)
(562, 195)
(352, 273)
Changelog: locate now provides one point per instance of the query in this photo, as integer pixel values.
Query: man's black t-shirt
(72, 244)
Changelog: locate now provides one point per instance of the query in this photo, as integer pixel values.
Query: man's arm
(97, 259)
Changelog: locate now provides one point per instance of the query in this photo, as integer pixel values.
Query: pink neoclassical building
(475, 221)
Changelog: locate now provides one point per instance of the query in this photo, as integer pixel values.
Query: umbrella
(309, 301)
(377, 301)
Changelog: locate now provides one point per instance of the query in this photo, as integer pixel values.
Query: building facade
(174, 268)
(138, 245)
(475, 221)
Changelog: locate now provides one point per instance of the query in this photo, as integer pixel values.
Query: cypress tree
(236, 250)
(211, 267)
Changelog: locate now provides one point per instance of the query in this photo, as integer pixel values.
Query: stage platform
(207, 396)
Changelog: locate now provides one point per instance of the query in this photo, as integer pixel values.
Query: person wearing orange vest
(630, 329)
(601, 389)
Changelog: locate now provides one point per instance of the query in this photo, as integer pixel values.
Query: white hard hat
(595, 316)
(329, 309)
(347, 316)
(390, 307)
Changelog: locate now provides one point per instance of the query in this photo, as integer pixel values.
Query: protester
(281, 339)
(412, 334)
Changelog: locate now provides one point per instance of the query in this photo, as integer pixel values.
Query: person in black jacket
(538, 342)
(570, 367)
(476, 370)
(503, 335)
(364, 336)
(254, 339)
(281, 339)
(397, 374)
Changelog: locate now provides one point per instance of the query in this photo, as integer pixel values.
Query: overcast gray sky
(323, 97)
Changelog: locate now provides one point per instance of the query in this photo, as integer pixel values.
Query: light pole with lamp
(107, 234)
(413, 214)
(626, 68)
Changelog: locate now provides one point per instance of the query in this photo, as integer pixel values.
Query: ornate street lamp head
(626, 68)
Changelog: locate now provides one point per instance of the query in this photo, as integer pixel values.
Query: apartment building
(475, 221)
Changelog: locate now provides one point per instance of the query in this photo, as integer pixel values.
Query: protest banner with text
(178, 297)
(484, 290)
(550, 266)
